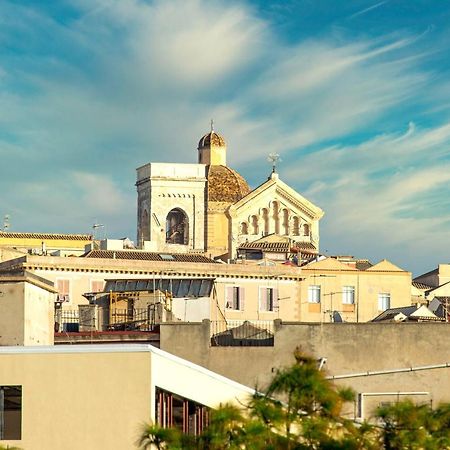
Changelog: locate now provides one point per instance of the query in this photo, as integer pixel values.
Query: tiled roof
(149, 256)
(225, 185)
(421, 285)
(278, 247)
(68, 237)
(211, 138)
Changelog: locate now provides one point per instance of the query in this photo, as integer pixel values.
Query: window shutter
(275, 299)
(262, 299)
(229, 297)
(241, 298)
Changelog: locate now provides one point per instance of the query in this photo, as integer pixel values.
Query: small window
(384, 301)
(268, 299)
(348, 295)
(234, 297)
(97, 285)
(314, 294)
(63, 288)
(167, 257)
(10, 412)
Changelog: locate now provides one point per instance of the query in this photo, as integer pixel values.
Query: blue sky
(354, 95)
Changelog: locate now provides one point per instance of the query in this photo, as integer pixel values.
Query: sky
(354, 95)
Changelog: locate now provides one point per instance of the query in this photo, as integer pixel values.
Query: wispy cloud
(117, 84)
(368, 9)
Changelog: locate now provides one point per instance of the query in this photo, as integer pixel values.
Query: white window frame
(384, 301)
(348, 295)
(234, 298)
(268, 299)
(314, 293)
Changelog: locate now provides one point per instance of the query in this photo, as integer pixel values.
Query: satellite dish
(337, 318)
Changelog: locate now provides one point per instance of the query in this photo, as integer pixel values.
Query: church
(209, 208)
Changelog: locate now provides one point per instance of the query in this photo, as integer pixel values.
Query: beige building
(98, 397)
(12, 243)
(208, 207)
(26, 309)
(350, 291)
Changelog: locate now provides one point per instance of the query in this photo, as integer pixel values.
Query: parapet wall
(349, 348)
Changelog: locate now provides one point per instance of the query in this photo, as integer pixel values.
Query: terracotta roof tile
(149, 256)
(68, 237)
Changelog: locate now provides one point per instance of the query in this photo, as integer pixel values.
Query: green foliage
(301, 409)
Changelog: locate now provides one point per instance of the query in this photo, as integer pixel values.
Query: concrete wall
(349, 348)
(98, 397)
(26, 313)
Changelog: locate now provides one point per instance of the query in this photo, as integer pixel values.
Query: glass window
(384, 301)
(234, 297)
(268, 299)
(10, 412)
(348, 295)
(314, 294)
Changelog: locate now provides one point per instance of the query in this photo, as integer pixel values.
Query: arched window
(285, 222)
(276, 217)
(254, 222)
(244, 228)
(306, 229)
(145, 226)
(265, 217)
(296, 226)
(177, 227)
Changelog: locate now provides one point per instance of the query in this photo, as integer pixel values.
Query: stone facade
(209, 208)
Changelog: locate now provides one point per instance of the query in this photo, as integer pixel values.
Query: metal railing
(104, 319)
(242, 333)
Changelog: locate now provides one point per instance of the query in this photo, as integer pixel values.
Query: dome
(225, 185)
(211, 138)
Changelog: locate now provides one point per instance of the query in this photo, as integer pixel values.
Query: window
(348, 295)
(314, 294)
(177, 227)
(97, 285)
(175, 411)
(268, 299)
(384, 301)
(63, 288)
(10, 412)
(234, 297)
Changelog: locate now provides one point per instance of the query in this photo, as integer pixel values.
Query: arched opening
(255, 227)
(296, 226)
(306, 229)
(177, 227)
(276, 217)
(145, 226)
(285, 222)
(244, 228)
(265, 216)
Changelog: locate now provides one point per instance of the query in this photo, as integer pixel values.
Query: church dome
(225, 184)
(211, 138)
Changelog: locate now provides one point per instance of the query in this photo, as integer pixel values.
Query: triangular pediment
(329, 264)
(275, 189)
(384, 266)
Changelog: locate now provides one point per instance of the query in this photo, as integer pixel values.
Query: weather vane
(274, 158)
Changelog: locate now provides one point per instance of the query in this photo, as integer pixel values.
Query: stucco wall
(349, 348)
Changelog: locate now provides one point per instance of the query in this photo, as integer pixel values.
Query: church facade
(209, 208)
